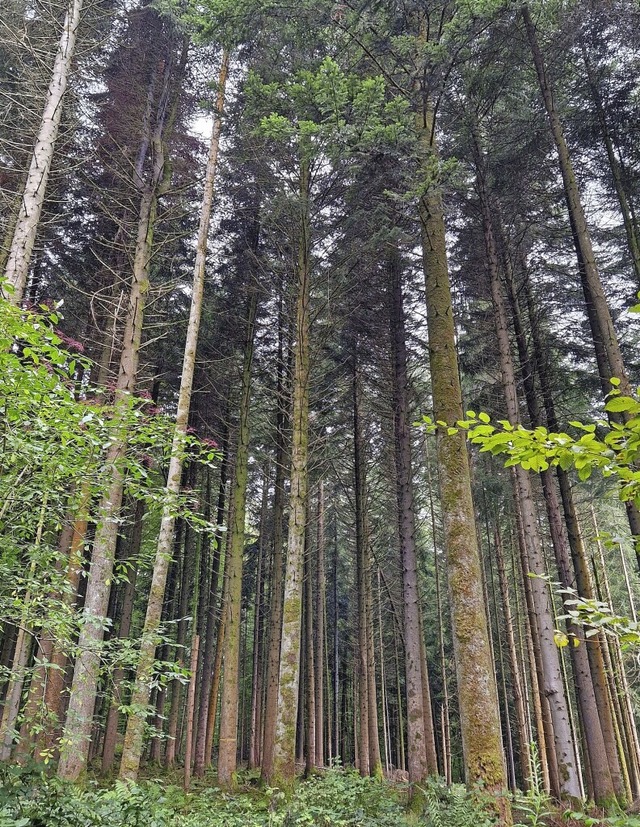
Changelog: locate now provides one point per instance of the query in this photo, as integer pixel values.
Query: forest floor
(30, 797)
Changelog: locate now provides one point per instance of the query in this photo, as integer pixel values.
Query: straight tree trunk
(119, 675)
(478, 701)
(191, 703)
(516, 674)
(614, 164)
(257, 649)
(320, 609)
(132, 748)
(420, 733)
(576, 570)
(209, 654)
(35, 187)
(277, 568)
(228, 747)
(287, 707)
(310, 687)
(362, 569)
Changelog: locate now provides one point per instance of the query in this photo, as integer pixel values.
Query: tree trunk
(33, 194)
(574, 572)
(287, 708)
(119, 675)
(310, 687)
(277, 568)
(607, 347)
(479, 711)
(615, 165)
(229, 703)
(362, 568)
(191, 703)
(320, 609)
(420, 733)
(514, 664)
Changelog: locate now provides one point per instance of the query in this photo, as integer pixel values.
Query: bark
(310, 687)
(287, 708)
(320, 609)
(257, 649)
(33, 194)
(229, 703)
(119, 675)
(132, 748)
(277, 568)
(420, 734)
(479, 711)
(191, 703)
(514, 664)
(362, 568)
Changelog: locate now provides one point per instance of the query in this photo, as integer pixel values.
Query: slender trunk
(191, 702)
(478, 701)
(33, 194)
(256, 672)
(229, 703)
(551, 667)
(514, 664)
(607, 347)
(310, 687)
(181, 637)
(132, 748)
(320, 608)
(21, 655)
(420, 734)
(217, 664)
(119, 675)
(287, 708)
(362, 565)
(277, 578)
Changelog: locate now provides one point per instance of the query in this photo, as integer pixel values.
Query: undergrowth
(335, 798)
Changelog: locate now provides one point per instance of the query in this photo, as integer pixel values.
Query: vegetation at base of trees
(334, 798)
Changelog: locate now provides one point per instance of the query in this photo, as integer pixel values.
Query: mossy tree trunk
(478, 701)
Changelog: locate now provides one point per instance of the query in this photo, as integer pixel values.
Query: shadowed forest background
(319, 423)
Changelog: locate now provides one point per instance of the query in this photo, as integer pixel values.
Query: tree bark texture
(479, 711)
